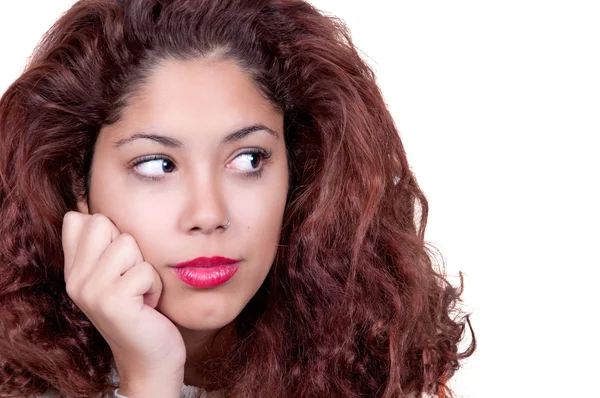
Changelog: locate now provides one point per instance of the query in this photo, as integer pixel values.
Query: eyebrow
(175, 143)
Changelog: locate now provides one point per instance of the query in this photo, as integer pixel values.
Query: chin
(201, 324)
(199, 317)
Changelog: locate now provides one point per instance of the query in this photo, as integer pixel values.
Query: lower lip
(206, 277)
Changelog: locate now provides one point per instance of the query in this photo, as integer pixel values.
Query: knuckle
(129, 246)
(68, 217)
(79, 294)
(98, 220)
(72, 290)
(144, 271)
(146, 268)
(126, 239)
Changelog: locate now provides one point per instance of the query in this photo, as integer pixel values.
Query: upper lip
(207, 262)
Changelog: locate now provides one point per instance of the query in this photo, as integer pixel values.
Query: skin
(179, 215)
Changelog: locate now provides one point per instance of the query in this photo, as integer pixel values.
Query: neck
(203, 345)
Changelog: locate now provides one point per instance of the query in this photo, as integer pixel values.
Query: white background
(498, 104)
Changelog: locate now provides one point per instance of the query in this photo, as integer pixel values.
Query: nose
(204, 209)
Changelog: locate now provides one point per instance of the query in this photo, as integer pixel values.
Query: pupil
(255, 160)
(167, 166)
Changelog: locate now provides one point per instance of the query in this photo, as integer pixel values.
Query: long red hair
(354, 304)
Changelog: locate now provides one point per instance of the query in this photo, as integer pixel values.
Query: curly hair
(354, 305)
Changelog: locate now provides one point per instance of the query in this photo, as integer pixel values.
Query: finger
(73, 224)
(142, 282)
(120, 256)
(96, 236)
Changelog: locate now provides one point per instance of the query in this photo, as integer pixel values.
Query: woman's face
(186, 157)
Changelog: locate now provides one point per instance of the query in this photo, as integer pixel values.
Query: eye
(249, 161)
(153, 166)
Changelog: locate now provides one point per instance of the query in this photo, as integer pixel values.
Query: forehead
(199, 95)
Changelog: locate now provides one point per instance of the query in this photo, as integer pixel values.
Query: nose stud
(227, 225)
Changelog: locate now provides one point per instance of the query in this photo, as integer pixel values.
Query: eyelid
(131, 165)
(252, 150)
(265, 155)
(146, 158)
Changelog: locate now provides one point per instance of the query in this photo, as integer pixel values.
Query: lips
(206, 272)
(207, 262)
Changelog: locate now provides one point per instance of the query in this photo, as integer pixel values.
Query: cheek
(142, 219)
(150, 227)
(260, 214)
(135, 214)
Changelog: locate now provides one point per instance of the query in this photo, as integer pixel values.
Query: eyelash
(264, 155)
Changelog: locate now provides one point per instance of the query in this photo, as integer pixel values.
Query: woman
(212, 193)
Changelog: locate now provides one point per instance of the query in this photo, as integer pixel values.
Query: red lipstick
(206, 272)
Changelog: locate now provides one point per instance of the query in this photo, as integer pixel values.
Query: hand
(108, 279)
